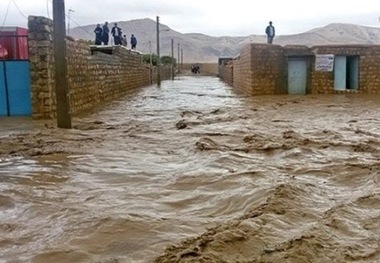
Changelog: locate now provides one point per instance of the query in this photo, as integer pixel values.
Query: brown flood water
(193, 172)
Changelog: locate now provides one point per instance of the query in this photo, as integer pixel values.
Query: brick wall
(92, 78)
(257, 70)
(241, 71)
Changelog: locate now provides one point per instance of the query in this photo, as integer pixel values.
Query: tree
(167, 60)
(146, 59)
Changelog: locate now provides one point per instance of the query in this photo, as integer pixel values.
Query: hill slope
(203, 48)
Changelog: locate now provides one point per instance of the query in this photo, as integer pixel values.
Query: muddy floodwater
(193, 172)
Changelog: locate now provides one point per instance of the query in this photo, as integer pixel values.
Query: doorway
(297, 76)
(346, 72)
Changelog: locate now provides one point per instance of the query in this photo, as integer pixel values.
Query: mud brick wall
(259, 69)
(241, 71)
(369, 68)
(92, 78)
(267, 69)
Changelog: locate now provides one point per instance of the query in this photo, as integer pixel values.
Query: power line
(6, 13)
(47, 8)
(18, 8)
(78, 25)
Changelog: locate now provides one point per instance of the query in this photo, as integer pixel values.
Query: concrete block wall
(92, 78)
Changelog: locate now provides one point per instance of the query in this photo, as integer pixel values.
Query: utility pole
(61, 84)
(68, 22)
(158, 52)
(181, 59)
(150, 63)
(178, 60)
(172, 69)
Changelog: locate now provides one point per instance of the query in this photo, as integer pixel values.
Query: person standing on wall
(270, 31)
(98, 34)
(124, 40)
(133, 42)
(106, 31)
(116, 33)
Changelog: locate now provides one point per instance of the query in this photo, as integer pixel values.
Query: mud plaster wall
(261, 69)
(92, 78)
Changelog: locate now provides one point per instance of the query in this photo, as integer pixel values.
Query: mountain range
(198, 47)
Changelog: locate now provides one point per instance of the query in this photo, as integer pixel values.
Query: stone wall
(93, 78)
(262, 69)
(41, 57)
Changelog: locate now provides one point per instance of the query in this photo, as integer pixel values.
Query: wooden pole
(172, 69)
(181, 59)
(178, 60)
(158, 53)
(61, 83)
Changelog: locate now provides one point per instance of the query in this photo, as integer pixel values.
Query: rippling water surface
(266, 179)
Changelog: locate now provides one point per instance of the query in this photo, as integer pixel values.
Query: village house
(263, 69)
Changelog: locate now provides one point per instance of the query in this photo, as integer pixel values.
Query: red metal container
(14, 43)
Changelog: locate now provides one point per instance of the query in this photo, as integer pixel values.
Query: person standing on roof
(270, 31)
(133, 42)
(106, 31)
(98, 34)
(116, 33)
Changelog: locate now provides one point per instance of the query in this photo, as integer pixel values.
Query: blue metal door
(17, 88)
(297, 76)
(3, 95)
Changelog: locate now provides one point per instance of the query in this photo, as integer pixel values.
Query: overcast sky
(211, 17)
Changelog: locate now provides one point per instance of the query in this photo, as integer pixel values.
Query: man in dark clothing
(98, 35)
(106, 31)
(270, 33)
(133, 42)
(116, 33)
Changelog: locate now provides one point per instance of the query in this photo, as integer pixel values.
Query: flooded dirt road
(193, 172)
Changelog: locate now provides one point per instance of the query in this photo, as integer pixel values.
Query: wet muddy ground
(193, 172)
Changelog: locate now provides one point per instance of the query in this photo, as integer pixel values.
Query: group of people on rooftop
(102, 36)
